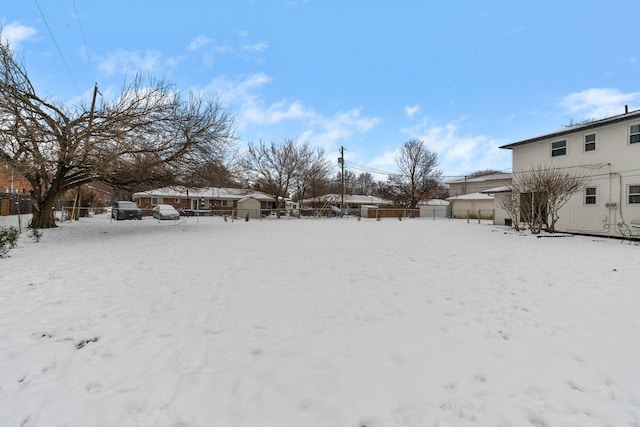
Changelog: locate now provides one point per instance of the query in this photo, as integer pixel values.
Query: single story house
(352, 202)
(202, 201)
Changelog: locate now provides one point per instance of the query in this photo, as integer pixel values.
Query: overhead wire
(84, 39)
(46, 23)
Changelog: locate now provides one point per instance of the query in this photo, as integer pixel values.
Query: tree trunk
(43, 213)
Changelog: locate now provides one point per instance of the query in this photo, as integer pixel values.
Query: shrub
(8, 239)
(35, 234)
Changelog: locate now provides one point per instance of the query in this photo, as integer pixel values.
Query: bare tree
(279, 169)
(349, 183)
(148, 136)
(541, 192)
(511, 203)
(418, 177)
(482, 172)
(313, 176)
(364, 184)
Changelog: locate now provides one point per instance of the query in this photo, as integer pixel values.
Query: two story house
(606, 151)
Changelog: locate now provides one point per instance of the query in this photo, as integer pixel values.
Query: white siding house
(608, 152)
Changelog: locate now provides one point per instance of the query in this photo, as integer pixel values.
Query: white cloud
(459, 153)
(129, 62)
(327, 132)
(256, 47)
(411, 111)
(15, 33)
(291, 117)
(200, 42)
(597, 103)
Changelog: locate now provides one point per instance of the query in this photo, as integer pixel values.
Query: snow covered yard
(308, 322)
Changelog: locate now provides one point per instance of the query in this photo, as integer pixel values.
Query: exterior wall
(251, 206)
(500, 215)
(11, 181)
(461, 207)
(179, 203)
(611, 168)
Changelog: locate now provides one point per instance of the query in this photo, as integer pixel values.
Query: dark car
(125, 210)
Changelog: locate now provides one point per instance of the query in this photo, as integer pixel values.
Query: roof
(206, 193)
(503, 189)
(634, 115)
(472, 196)
(483, 178)
(435, 202)
(257, 196)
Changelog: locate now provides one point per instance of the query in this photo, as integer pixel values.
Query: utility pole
(341, 161)
(76, 205)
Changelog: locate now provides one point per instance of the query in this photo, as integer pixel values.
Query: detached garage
(472, 205)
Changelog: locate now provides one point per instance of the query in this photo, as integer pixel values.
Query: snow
(317, 322)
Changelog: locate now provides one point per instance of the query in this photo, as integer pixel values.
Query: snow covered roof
(206, 193)
(258, 196)
(435, 202)
(472, 196)
(502, 189)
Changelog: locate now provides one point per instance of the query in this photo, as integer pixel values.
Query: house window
(227, 203)
(559, 148)
(634, 194)
(590, 196)
(154, 200)
(634, 134)
(590, 142)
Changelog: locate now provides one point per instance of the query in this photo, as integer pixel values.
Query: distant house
(11, 182)
(477, 184)
(211, 200)
(607, 151)
(351, 201)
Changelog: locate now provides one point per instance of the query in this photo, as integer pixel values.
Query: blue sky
(463, 76)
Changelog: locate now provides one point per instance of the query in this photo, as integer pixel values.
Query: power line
(84, 40)
(46, 23)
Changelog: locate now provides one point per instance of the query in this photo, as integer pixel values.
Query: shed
(249, 205)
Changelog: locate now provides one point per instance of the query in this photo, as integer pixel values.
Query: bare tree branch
(148, 136)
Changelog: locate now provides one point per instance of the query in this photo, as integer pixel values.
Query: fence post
(479, 213)
(434, 214)
(467, 216)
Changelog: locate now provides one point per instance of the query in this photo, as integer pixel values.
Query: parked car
(165, 212)
(125, 210)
